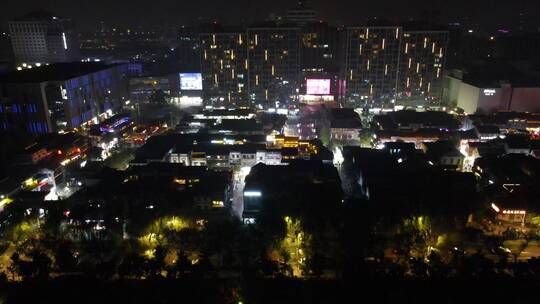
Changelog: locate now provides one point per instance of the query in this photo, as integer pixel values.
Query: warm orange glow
(179, 181)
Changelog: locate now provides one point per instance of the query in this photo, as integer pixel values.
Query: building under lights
(273, 64)
(371, 64)
(385, 64)
(224, 67)
(41, 37)
(422, 59)
(320, 55)
(61, 96)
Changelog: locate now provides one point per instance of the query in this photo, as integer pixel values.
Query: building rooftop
(511, 168)
(420, 133)
(344, 118)
(158, 146)
(346, 124)
(238, 125)
(467, 135)
(436, 150)
(488, 129)
(432, 119)
(54, 72)
(407, 186)
(343, 113)
(501, 119)
(227, 112)
(39, 16)
(494, 73)
(297, 172)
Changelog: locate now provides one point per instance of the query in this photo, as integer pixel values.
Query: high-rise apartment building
(384, 65)
(320, 49)
(368, 65)
(371, 64)
(224, 67)
(273, 64)
(422, 59)
(43, 38)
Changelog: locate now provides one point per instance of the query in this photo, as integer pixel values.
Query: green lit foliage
(325, 135)
(292, 250)
(23, 231)
(158, 233)
(533, 219)
(366, 139)
(415, 237)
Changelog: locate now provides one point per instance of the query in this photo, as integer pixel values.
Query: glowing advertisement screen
(318, 86)
(190, 81)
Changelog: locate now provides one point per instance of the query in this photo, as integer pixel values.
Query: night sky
(486, 13)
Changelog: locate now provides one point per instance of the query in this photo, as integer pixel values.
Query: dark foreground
(82, 290)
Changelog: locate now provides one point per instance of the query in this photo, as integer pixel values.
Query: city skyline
(269, 152)
(171, 13)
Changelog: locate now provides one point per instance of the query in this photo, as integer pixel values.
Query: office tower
(422, 59)
(371, 65)
(273, 64)
(41, 37)
(224, 67)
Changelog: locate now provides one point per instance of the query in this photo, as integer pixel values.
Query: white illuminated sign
(191, 82)
(489, 92)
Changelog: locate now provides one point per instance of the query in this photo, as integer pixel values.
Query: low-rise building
(226, 152)
(299, 185)
(444, 154)
(493, 88)
(345, 126)
(486, 133)
(413, 120)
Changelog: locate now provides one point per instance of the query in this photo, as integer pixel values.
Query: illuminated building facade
(371, 64)
(422, 58)
(224, 68)
(43, 38)
(61, 96)
(320, 49)
(273, 64)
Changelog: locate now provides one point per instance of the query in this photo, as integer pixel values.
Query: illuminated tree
(293, 248)
(325, 135)
(415, 237)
